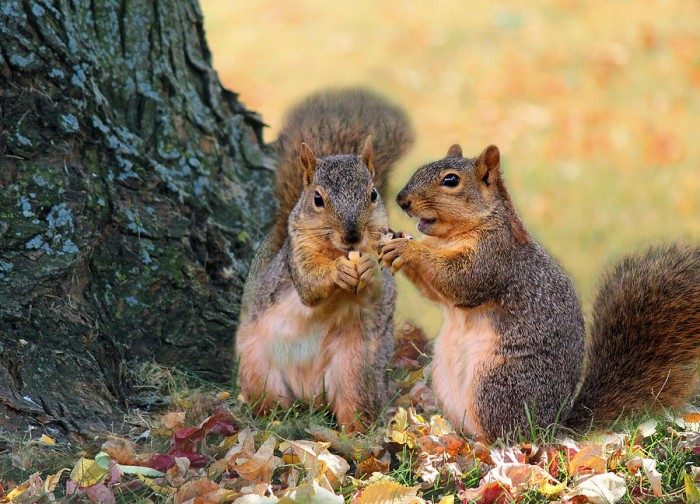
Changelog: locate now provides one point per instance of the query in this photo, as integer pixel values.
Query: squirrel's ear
(454, 151)
(309, 162)
(488, 165)
(368, 155)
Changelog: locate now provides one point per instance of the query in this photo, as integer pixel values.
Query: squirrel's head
(453, 194)
(339, 204)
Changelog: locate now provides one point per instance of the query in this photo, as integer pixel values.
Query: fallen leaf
(16, 492)
(159, 489)
(201, 491)
(99, 493)
(588, 459)
(488, 493)
(606, 488)
(311, 493)
(692, 493)
(388, 492)
(47, 440)
(371, 465)
(123, 451)
(87, 473)
(256, 499)
(260, 466)
(648, 428)
(318, 461)
(439, 426)
(52, 480)
(173, 420)
(648, 466)
(518, 477)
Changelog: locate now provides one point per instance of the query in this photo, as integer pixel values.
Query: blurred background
(595, 105)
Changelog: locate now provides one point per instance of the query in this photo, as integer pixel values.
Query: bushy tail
(336, 122)
(644, 345)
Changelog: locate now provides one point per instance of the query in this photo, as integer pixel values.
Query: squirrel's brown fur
(331, 122)
(511, 349)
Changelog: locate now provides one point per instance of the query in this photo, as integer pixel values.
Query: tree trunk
(133, 190)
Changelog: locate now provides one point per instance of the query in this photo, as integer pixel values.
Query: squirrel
(511, 350)
(316, 320)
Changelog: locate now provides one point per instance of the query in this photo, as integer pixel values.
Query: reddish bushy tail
(644, 345)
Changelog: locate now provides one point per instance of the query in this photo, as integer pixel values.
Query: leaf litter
(211, 451)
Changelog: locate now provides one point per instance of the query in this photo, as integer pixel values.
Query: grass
(595, 105)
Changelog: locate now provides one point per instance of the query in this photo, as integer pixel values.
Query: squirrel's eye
(450, 180)
(374, 195)
(318, 199)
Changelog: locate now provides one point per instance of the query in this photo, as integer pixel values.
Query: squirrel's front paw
(393, 253)
(346, 276)
(367, 268)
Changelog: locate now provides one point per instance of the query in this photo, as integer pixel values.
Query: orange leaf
(588, 459)
(201, 491)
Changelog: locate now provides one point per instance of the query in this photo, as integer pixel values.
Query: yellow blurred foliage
(595, 105)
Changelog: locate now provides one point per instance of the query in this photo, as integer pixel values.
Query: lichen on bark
(133, 190)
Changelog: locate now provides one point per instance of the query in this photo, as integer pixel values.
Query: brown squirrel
(317, 314)
(511, 350)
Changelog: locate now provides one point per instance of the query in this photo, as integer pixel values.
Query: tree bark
(133, 191)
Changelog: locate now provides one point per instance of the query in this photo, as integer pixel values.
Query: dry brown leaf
(260, 466)
(200, 491)
(174, 420)
(245, 447)
(588, 459)
(123, 451)
(371, 465)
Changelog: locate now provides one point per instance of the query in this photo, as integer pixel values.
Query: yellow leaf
(87, 473)
(692, 493)
(17, 491)
(439, 426)
(551, 490)
(402, 437)
(222, 396)
(400, 420)
(159, 489)
(52, 480)
(447, 499)
(47, 440)
(387, 492)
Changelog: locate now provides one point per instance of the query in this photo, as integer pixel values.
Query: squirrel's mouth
(424, 224)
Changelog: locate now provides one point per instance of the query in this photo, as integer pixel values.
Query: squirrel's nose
(352, 235)
(404, 201)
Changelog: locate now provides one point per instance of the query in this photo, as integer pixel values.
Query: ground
(207, 447)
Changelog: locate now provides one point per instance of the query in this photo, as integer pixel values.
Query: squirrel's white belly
(463, 351)
(293, 345)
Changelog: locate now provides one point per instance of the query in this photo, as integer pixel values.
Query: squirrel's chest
(464, 351)
(297, 336)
